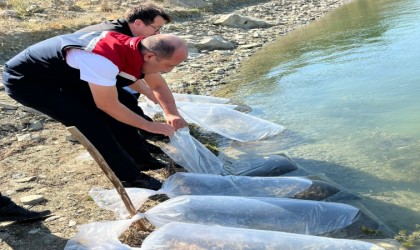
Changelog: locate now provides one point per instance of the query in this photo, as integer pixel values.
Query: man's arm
(166, 100)
(106, 99)
(100, 73)
(141, 87)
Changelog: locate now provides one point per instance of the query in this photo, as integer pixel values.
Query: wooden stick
(107, 170)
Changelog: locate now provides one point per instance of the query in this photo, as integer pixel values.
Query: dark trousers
(73, 105)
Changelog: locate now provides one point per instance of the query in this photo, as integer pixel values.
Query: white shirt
(93, 68)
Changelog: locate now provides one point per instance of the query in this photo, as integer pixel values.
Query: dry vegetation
(24, 22)
(22, 26)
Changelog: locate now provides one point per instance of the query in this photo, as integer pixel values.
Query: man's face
(155, 64)
(142, 29)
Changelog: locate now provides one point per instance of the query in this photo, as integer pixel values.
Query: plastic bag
(277, 144)
(198, 98)
(274, 214)
(189, 153)
(207, 184)
(151, 109)
(230, 123)
(267, 213)
(101, 235)
(206, 105)
(111, 200)
(221, 119)
(273, 165)
(186, 236)
(279, 187)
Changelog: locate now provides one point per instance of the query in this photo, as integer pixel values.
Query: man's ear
(148, 56)
(138, 22)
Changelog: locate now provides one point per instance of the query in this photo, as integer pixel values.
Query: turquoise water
(347, 88)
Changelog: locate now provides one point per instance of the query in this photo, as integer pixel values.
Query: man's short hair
(147, 13)
(162, 48)
(163, 45)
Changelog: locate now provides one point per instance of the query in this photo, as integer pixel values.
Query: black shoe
(151, 164)
(154, 149)
(10, 211)
(144, 181)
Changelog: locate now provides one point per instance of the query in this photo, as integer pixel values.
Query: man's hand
(166, 100)
(160, 128)
(176, 122)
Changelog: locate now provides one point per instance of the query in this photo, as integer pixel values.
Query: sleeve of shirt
(93, 68)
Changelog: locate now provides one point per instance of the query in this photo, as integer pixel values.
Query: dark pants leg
(128, 136)
(74, 106)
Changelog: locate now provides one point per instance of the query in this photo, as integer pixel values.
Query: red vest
(121, 50)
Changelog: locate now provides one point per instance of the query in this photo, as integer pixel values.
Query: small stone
(32, 111)
(62, 219)
(24, 137)
(219, 71)
(26, 179)
(6, 106)
(36, 126)
(85, 156)
(52, 218)
(250, 46)
(32, 199)
(25, 121)
(18, 175)
(42, 190)
(10, 192)
(23, 187)
(194, 65)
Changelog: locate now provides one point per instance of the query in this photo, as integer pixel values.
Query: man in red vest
(78, 79)
(145, 20)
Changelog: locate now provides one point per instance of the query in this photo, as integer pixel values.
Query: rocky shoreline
(210, 63)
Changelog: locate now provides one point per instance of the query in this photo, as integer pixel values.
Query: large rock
(214, 43)
(238, 21)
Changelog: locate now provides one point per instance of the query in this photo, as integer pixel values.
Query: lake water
(347, 88)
